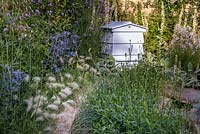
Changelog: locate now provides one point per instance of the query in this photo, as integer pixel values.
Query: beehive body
(124, 41)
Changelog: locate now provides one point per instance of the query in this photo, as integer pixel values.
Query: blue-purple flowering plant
(62, 47)
(12, 79)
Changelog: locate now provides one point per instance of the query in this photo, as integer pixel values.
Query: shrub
(185, 48)
(128, 103)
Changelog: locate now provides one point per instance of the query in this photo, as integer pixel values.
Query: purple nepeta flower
(21, 27)
(29, 28)
(63, 46)
(32, 1)
(101, 1)
(56, 69)
(5, 29)
(13, 78)
(7, 14)
(39, 1)
(26, 15)
(50, 4)
(37, 12)
(75, 38)
(72, 54)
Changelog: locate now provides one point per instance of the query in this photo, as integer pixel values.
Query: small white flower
(36, 79)
(67, 91)
(29, 102)
(93, 70)
(73, 85)
(57, 101)
(40, 118)
(48, 129)
(62, 95)
(52, 107)
(51, 79)
(69, 76)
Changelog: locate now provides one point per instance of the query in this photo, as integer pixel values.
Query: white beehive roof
(119, 24)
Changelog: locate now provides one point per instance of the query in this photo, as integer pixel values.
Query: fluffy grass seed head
(36, 79)
(62, 95)
(73, 85)
(82, 57)
(29, 103)
(37, 111)
(68, 76)
(88, 58)
(93, 70)
(40, 99)
(57, 101)
(70, 61)
(55, 85)
(51, 79)
(66, 105)
(86, 67)
(81, 60)
(52, 116)
(52, 107)
(46, 114)
(40, 118)
(79, 67)
(27, 78)
(80, 78)
(71, 102)
(67, 91)
(48, 129)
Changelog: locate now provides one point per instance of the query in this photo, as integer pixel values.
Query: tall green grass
(128, 102)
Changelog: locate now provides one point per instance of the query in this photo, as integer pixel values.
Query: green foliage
(127, 103)
(151, 39)
(14, 118)
(184, 49)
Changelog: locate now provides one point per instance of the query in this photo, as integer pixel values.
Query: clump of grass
(127, 102)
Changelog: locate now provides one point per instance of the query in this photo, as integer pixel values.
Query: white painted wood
(124, 41)
(129, 28)
(126, 37)
(122, 49)
(126, 58)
